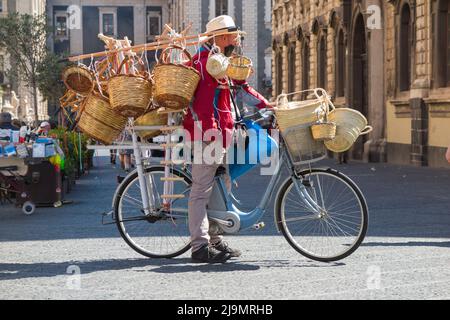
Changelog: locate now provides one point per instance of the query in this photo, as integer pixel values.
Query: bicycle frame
(232, 216)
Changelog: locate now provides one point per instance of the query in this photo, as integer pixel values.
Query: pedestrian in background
(447, 155)
(125, 155)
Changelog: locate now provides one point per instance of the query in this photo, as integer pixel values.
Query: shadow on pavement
(14, 271)
(444, 244)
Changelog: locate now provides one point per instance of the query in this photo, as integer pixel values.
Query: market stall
(30, 170)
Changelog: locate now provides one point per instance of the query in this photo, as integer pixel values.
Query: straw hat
(221, 25)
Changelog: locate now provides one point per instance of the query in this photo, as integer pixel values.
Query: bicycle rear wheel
(323, 216)
(162, 234)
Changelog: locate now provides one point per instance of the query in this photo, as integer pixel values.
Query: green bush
(70, 144)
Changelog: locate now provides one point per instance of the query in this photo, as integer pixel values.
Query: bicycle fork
(306, 197)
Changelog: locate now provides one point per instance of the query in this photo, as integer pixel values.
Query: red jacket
(211, 104)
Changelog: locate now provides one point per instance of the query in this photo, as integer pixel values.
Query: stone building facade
(78, 22)
(386, 59)
(252, 16)
(16, 98)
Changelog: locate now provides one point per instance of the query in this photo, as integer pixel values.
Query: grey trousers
(202, 186)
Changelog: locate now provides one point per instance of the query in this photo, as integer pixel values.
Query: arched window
(405, 49)
(306, 67)
(291, 68)
(441, 34)
(340, 65)
(322, 62)
(279, 72)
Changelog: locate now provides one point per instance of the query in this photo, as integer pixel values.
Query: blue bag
(259, 146)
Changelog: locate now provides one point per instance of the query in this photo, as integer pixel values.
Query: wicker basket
(175, 84)
(323, 131)
(151, 118)
(130, 95)
(350, 125)
(301, 145)
(299, 113)
(240, 68)
(99, 121)
(78, 79)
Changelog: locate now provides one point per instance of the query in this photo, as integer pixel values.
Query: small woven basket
(130, 95)
(79, 79)
(175, 84)
(151, 118)
(239, 68)
(99, 121)
(323, 131)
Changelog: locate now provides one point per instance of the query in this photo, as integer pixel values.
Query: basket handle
(119, 70)
(367, 130)
(164, 53)
(307, 90)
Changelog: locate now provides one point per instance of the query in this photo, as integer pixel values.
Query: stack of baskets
(294, 121)
(310, 127)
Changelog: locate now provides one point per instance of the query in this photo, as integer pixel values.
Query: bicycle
(321, 212)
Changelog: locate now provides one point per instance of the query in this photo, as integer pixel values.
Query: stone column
(420, 89)
(193, 13)
(250, 26)
(419, 132)
(376, 51)
(140, 24)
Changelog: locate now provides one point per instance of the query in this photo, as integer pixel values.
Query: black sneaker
(224, 247)
(208, 254)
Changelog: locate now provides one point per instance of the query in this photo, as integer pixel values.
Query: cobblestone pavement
(405, 255)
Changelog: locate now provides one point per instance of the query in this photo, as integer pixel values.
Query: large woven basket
(239, 68)
(151, 118)
(350, 125)
(79, 79)
(175, 84)
(130, 95)
(99, 121)
(299, 113)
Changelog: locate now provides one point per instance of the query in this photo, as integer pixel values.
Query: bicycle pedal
(259, 226)
(109, 213)
(106, 215)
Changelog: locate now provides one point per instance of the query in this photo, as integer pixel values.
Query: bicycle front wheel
(165, 232)
(323, 216)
